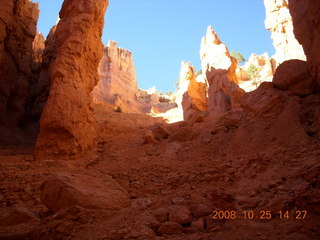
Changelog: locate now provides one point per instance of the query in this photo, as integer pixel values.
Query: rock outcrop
(219, 68)
(117, 76)
(193, 94)
(118, 86)
(279, 22)
(18, 27)
(67, 190)
(38, 93)
(66, 129)
(306, 22)
(38, 46)
(258, 69)
(294, 76)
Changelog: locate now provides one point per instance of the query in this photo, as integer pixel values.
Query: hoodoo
(219, 68)
(66, 129)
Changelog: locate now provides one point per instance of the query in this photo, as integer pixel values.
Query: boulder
(17, 221)
(293, 75)
(181, 215)
(67, 190)
(170, 228)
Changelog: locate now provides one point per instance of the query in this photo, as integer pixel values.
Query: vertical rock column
(306, 22)
(279, 23)
(219, 68)
(193, 94)
(18, 27)
(66, 129)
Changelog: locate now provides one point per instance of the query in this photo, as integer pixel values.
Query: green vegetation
(253, 74)
(237, 56)
(199, 72)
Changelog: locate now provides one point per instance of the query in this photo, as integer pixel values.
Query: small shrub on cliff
(199, 72)
(237, 56)
(253, 74)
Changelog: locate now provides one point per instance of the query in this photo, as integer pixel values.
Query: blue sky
(162, 33)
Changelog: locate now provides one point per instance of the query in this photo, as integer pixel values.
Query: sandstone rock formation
(263, 65)
(38, 46)
(117, 76)
(190, 97)
(39, 91)
(17, 221)
(306, 22)
(194, 98)
(67, 190)
(219, 68)
(118, 86)
(293, 75)
(279, 22)
(67, 129)
(17, 31)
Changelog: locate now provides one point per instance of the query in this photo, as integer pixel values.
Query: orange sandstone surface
(96, 173)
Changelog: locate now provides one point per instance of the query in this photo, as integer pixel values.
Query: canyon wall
(43, 52)
(118, 87)
(279, 22)
(18, 27)
(38, 46)
(306, 22)
(66, 129)
(117, 76)
(219, 68)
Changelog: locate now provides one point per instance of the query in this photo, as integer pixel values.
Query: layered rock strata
(117, 76)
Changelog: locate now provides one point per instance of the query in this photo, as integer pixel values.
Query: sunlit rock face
(306, 21)
(117, 76)
(18, 27)
(279, 23)
(67, 129)
(264, 66)
(219, 68)
(38, 46)
(193, 93)
(118, 86)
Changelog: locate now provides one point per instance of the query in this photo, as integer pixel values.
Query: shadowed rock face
(306, 23)
(18, 27)
(66, 129)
